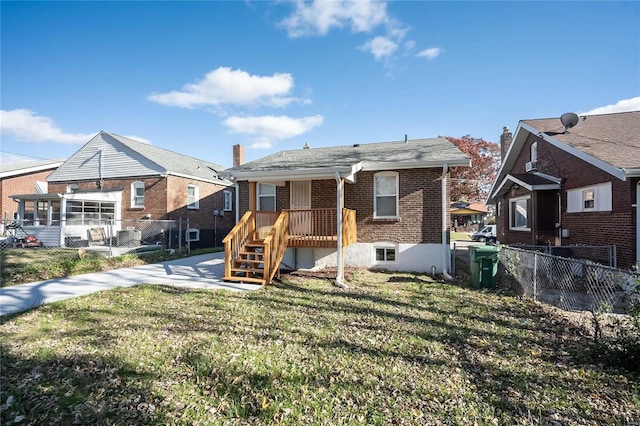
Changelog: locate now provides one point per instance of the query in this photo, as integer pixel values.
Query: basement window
(193, 234)
(385, 254)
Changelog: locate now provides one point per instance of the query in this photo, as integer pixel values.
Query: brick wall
(587, 228)
(17, 185)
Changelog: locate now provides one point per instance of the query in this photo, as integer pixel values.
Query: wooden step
(248, 261)
(248, 270)
(261, 281)
(250, 253)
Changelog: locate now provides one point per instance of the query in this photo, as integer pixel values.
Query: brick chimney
(505, 141)
(238, 155)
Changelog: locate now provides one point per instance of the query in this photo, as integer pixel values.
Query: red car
(28, 241)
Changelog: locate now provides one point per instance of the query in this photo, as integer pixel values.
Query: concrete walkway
(204, 272)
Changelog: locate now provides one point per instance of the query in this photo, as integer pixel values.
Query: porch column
(340, 253)
(252, 197)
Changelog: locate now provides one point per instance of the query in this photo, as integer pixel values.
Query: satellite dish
(569, 119)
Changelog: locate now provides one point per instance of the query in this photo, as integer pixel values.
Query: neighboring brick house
(468, 217)
(20, 178)
(119, 179)
(564, 185)
(393, 195)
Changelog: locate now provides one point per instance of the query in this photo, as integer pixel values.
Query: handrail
(236, 239)
(275, 245)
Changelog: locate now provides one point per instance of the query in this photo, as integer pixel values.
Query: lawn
(460, 236)
(391, 349)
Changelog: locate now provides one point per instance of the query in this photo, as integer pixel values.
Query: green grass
(460, 236)
(28, 265)
(391, 349)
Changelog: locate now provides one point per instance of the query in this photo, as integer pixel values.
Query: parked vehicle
(486, 234)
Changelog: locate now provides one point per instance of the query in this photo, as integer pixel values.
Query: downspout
(340, 274)
(445, 246)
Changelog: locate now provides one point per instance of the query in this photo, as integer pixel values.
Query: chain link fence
(568, 283)
(605, 255)
(31, 251)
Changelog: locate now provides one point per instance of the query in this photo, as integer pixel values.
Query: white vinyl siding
(595, 198)
(520, 213)
(193, 201)
(385, 195)
(137, 194)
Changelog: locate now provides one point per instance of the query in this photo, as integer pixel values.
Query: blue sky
(198, 77)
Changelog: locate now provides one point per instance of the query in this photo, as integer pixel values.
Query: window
(266, 197)
(228, 201)
(534, 152)
(596, 198)
(588, 199)
(385, 255)
(71, 188)
(137, 194)
(519, 214)
(192, 197)
(89, 212)
(193, 234)
(385, 200)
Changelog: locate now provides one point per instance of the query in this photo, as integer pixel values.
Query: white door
(300, 221)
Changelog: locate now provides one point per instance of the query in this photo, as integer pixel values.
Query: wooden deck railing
(275, 245)
(236, 239)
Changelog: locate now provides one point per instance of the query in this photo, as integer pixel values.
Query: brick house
(382, 205)
(115, 178)
(573, 183)
(20, 178)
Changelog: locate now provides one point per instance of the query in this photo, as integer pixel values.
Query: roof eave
(346, 172)
(403, 165)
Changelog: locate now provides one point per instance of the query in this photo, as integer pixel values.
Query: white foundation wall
(409, 257)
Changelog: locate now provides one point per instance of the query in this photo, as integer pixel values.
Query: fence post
(535, 276)
(110, 234)
(615, 257)
(453, 261)
(180, 235)
(188, 238)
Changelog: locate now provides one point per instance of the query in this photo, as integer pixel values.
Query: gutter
(445, 246)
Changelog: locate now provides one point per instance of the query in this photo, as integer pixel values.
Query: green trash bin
(483, 266)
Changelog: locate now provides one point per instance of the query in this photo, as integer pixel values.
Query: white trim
(195, 204)
(347, 173)
(133, 188)
(525, 185)
(197, 234)
(259, 196)
(32, 169)
(228, 197)
(529, 211)
(638, 224)
(548, 177)
(396, 176)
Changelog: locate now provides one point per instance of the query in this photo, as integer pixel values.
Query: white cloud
(225, 86)
(380, 47)
(26, 125)
(269, 128)
(318, 17)
(430, 53)
(631, 104)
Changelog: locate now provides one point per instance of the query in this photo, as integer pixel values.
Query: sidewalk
(204, 272)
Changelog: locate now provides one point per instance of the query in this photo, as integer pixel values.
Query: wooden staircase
(249, 265)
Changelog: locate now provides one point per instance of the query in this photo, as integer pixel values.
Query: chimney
(238, 155)
(306, 145)
(406, 138)
(505, 141)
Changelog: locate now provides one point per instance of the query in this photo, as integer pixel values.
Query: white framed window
(384, 254)
(266, 197)
(385, 195)
(193, 234)
(193, 201)
(595, 198)
(534, 152)
(137, 194)
(228, 201)
(520, 213)
(72, 187)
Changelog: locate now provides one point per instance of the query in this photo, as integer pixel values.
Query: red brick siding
(592, 228)
(18, 185)
(420, 205)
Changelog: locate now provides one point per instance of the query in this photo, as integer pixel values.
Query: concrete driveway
(203, 272)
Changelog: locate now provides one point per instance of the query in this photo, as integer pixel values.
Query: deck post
(339, 252)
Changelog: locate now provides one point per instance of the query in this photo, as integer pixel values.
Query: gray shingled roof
(612, 138)
(171, 161)
(531, 179)
(17, 168)
(417, 150)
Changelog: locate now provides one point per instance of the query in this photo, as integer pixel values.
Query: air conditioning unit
(530, 166)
